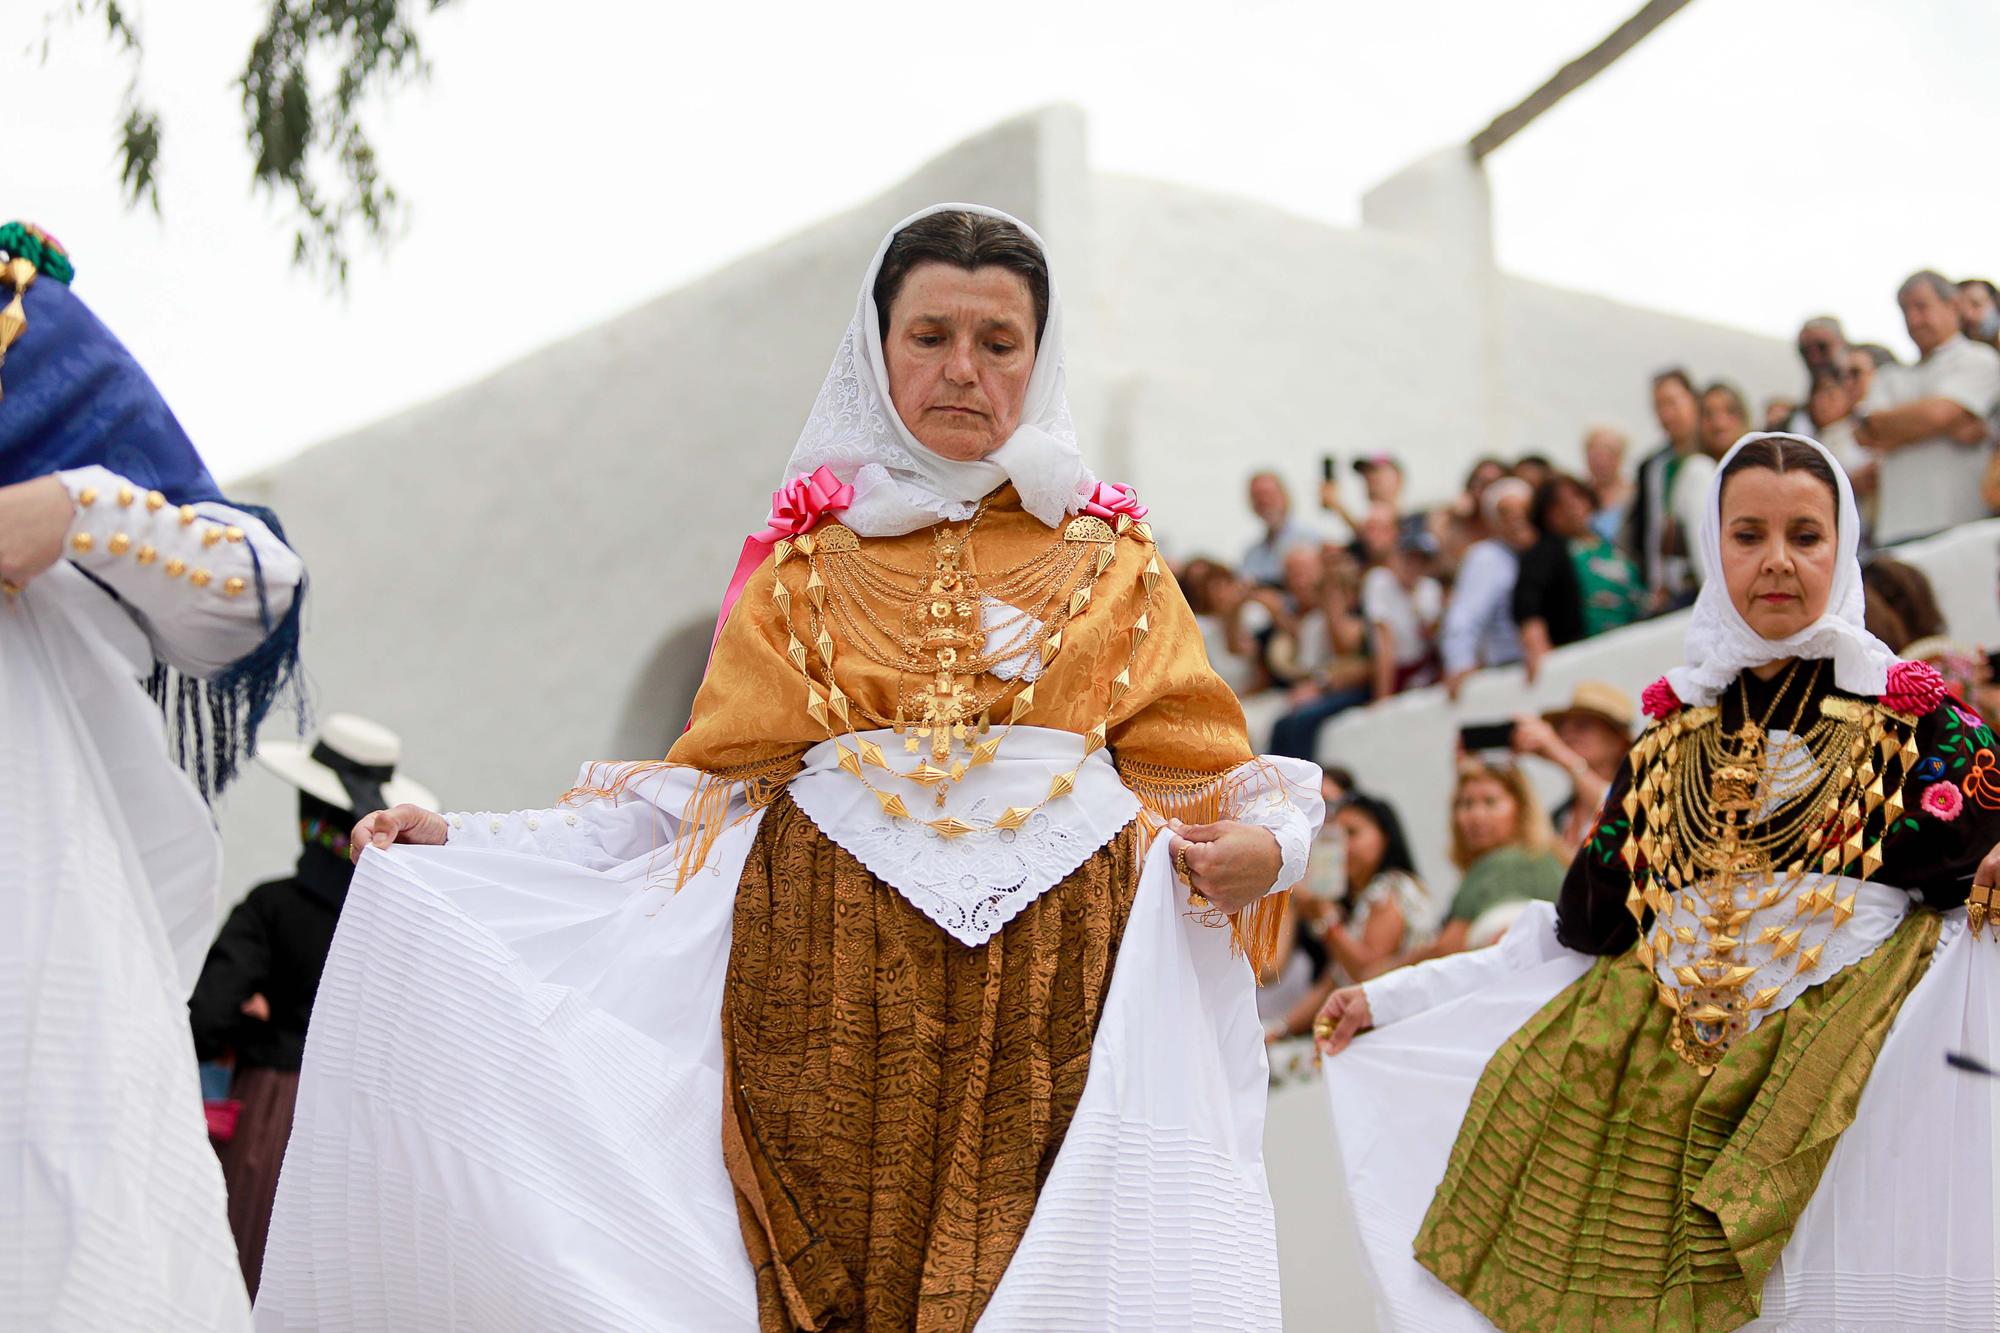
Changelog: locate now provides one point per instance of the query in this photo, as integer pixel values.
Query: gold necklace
(955, 713)
(1690, 845)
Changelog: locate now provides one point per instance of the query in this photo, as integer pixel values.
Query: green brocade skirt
(1600, 1183)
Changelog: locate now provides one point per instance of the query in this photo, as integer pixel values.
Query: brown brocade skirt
(896, 1099)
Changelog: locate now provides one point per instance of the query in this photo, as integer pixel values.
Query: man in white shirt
(1402, 606)
(1264, 563)
(1926, 424)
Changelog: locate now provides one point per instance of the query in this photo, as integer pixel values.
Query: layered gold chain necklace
(945, 630)
(1725, 823)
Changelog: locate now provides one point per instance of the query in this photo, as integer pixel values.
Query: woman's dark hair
(1480, 464)
(1734, 394)
(968, 241)
(1549, 492)
(1906, 592)
(1781, 455)
(1395, 847)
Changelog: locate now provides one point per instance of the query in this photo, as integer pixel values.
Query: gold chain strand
(824, 705)
(1694, 850)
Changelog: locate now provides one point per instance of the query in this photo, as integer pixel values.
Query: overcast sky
(1753, 162)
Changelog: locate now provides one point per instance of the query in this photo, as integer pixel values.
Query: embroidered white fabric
(1005, 626)
(899, 485)
(973, 885)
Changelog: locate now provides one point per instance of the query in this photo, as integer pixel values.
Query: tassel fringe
(1205, 798)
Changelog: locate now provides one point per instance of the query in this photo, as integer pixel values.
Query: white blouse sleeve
(190, 574)
(597, 834)
(1409, 991)
(1283, 796)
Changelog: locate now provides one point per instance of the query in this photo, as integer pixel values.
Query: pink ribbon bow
(796, 509)
(1112, 501)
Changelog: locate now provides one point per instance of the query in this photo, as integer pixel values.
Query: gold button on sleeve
(210, 536)
(200, 577)
(155, 501)
(232, 587)
(187, 516)
(119, 544)
(146, 555)
(83, 541)
(233, 533)
(87, 497)
(174, 568)
(125, 496)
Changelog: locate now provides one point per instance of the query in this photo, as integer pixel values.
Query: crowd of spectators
(1528, 557)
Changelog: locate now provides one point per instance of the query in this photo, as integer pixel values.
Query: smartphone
(1480, 736)
(1993, 666)
(1329, 468)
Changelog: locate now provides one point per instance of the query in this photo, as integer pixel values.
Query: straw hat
(350, 764)
(1601, 703)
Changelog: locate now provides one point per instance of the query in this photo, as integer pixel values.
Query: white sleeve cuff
(1283, 796)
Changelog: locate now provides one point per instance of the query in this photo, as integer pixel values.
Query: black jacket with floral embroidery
(1951, 820)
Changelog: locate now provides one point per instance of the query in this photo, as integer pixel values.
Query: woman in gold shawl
(881, 1002)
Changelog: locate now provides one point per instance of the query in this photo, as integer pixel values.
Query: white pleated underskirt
(1900, 1235)
(510, 1117)
(112, 1208)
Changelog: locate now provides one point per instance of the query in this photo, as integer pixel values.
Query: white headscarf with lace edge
(901, 486)
(1720, 643)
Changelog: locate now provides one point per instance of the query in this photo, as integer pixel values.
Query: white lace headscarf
(1720, 643)
(899, 485)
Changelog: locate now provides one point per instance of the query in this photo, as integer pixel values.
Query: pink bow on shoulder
(797, 508)
(1112, 501)
(799, 505)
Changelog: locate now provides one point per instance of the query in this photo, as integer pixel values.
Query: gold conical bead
(1014, 816)
(849, 760)
(892, 805)
(1064, 784)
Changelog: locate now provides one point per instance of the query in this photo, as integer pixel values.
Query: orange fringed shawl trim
(1204, 798)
